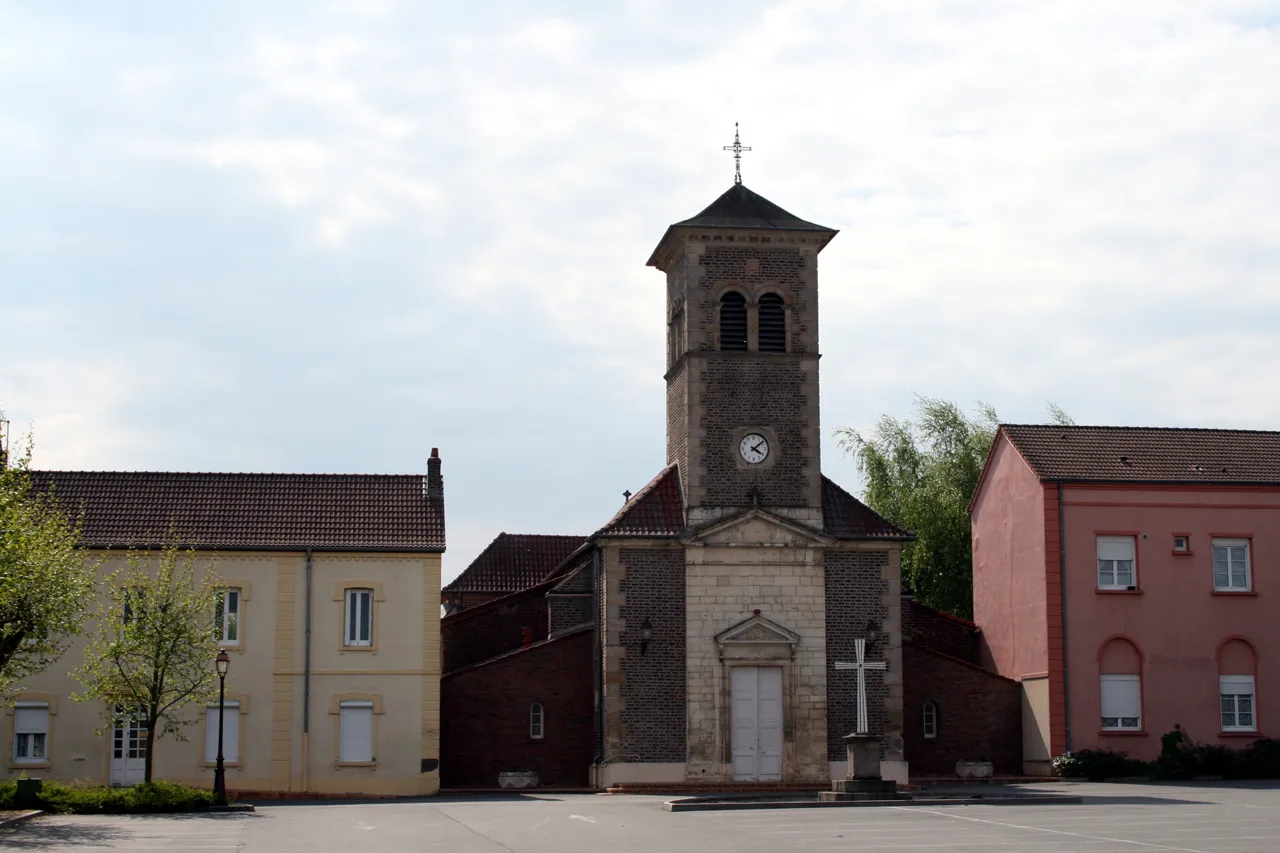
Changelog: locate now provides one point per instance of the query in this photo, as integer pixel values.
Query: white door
(757, 723)
(128, 752)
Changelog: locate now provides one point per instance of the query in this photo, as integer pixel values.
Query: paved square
(1204, 818)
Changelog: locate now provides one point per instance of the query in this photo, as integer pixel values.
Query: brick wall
(568, 611)
(781, 269)
(653, 683)
(939, 631)
(855, 590)
(979, 714)
(678, 419)
(491, 629)
(485, 716)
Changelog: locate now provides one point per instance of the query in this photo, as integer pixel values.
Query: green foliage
(920, 475)
(154, 648)
(60, 798)
(1098, 764)
(45, 580)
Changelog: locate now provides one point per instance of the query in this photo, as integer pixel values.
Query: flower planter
(518, 779)
(974, 769)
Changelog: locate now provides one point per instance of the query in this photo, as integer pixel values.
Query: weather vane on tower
(737, 148)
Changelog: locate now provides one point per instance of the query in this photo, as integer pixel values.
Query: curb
(700, 804)
(233, 807)
(20, 819)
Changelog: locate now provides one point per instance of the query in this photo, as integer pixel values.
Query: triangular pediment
(758, 527)
(757, 631)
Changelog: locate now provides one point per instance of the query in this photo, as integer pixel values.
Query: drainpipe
(1062, 579)
(306, 685)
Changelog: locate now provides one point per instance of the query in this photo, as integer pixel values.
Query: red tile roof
(244, 511)
(655, 510)
(515, 561)
(846, 517)
(1148, 454)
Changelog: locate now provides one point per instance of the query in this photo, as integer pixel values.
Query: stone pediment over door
(755, 527)
(757, 639)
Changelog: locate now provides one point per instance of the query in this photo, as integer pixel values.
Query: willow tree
(45, 580)
(920, 474)
(151, 658)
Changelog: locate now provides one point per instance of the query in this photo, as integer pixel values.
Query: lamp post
(221, 663)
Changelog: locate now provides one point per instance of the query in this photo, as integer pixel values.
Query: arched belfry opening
(773, 324)
(733, 321)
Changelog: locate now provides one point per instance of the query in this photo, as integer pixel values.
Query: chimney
(435, 482)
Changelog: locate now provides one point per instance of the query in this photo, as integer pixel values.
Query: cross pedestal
(862, 780)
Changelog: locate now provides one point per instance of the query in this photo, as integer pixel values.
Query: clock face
(753, 448)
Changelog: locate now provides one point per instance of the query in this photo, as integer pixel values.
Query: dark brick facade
(484, 716)
(653, 685)
(751, 268)
(979, 714)
(855, 589)
(491, 629)
(569, 611)
(943, 633)
(745, 389)
(678, 419)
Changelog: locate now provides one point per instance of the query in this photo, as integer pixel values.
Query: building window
(1181, 543)
(1236, 694)
(1121, 702)
(733, 321)
(30, 733)
(226, 617)
(355, 731)
(1115, 562)
(537, 720)
(930, 720)
(773, 324)
(359, 619)
(230, 732)
(1231, 565)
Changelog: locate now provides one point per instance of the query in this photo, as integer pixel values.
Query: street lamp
(221, 663)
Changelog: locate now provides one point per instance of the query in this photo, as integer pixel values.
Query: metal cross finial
(737, 148)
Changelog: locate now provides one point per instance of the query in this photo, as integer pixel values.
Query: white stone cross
(862, 665)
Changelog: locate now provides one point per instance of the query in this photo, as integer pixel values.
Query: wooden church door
(757, 723)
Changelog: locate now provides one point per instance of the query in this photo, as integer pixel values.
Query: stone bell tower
(742, 358)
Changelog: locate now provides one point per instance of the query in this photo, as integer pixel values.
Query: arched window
(733, 321)
(930, 720)
(1120, 684)
(1237, 688)
(536, 721)
(773, 324)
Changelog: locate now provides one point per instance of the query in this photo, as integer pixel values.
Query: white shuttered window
(359, 619)
(1121, 702)
(1115, 562)
(30, 733)
(355, 731)
(230, 733)
(1231, 565)
(1237, 699)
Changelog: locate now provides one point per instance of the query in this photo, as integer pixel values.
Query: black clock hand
(757, 447)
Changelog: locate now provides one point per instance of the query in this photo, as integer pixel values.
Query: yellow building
(333, 602)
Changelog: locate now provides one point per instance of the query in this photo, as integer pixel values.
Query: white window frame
(1232, 566)
(930, 720)
(1120, 721)
(1112, 552)
(31, 733)
(227, 631)
(348, 710)
(537, 721)
(351, 627)
(1234, 690)
(230, 735)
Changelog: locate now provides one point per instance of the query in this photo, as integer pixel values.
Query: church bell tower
(742, 357)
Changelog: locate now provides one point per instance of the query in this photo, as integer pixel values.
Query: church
(741, 613)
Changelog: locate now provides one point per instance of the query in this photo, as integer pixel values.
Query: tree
(920, 475)
(152, 655)
(45, 580)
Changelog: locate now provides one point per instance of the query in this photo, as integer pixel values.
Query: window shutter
(31, 718)
(773, 324)
(1235, 683)
(230, 733)
(1121, 696)
(1115, 548)
(733, 321)
(355, 731)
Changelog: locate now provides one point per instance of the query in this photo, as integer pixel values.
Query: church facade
(695, 637)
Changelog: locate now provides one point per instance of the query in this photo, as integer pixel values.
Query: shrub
(1178, 758)
(1259, 760)
(59, 797)
(1098, 764)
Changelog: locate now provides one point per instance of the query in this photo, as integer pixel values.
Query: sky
(327, 236)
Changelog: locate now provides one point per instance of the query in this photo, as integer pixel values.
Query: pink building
(1122, 576)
